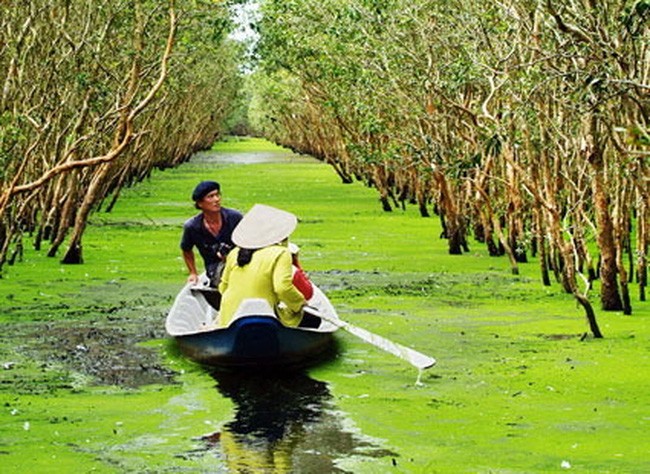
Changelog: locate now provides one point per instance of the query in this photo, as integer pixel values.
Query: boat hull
(251, 340)
(256, 341)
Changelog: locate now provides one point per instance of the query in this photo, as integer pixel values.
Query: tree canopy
(524, 123)
(94, 96)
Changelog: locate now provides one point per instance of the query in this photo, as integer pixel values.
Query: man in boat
(210, 232)
(260, 266)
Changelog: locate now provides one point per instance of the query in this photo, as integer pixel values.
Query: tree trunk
(610, 297)
(74, 253)
(541, 246)
(622, 239)
(642, 250)
(453, 228)
(494, 222)
(590, 315)
(66, 220)
(569, 279)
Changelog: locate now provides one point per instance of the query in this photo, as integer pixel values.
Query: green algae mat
(90, 382)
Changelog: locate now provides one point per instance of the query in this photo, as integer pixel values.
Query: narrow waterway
(91, 339)
(90, 382)
(283, 423)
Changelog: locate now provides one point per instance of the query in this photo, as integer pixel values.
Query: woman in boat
(210, 232)
(260, 266)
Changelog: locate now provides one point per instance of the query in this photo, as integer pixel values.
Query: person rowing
(210, 232)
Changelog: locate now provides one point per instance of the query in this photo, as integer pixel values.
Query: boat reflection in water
(284, 423)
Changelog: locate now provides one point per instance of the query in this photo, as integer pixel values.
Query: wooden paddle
(413, 357)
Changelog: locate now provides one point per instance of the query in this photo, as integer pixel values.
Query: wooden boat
(254, 338)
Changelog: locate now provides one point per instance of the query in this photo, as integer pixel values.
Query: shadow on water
(284, 423)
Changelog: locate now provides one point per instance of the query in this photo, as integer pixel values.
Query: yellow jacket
(268, 276)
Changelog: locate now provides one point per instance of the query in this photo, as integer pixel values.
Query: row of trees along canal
(522, 122)
(93, 96)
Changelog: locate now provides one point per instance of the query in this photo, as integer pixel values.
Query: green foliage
(512, 97)
(12, 137)
(94, 93)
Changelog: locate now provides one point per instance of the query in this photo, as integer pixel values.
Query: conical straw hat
(263, 226)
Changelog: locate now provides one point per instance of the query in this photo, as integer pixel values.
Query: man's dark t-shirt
(196, 235)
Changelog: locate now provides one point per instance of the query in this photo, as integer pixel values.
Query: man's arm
(190, 263)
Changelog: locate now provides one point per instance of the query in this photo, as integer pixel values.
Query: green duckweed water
(90, 383)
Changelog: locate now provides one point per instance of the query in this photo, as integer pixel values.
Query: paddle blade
(415, 358)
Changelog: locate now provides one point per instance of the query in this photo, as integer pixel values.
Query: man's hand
(193, 278)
